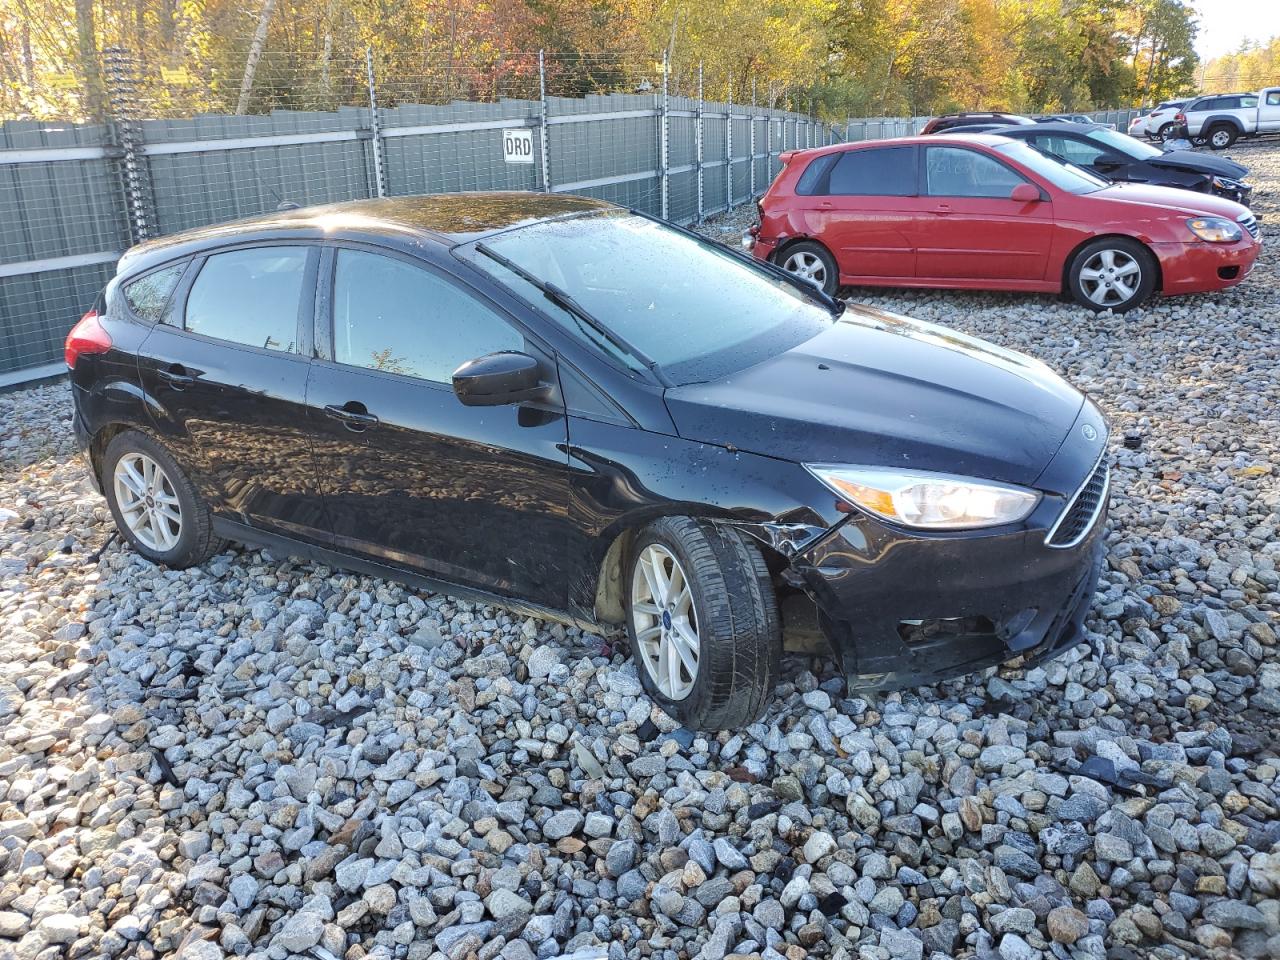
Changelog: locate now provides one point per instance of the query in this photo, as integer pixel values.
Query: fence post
(768, 148)
(751, 145)
(728, 152)
(375, 128)
(544, 150)
(698, 142)
(135, 176)
(662, 137)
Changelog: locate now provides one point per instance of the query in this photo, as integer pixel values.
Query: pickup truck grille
(1250, 223)
(1078, 519)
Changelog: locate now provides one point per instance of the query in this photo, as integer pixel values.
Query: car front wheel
(703, 622)
(155, 506)
(1113, 273)
(812, 262)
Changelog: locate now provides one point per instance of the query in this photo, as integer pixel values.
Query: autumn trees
(847, 57)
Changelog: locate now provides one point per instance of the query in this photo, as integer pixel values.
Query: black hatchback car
(1118, 156)
(588, 414)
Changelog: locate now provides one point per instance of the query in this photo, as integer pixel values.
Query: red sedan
(985, 212)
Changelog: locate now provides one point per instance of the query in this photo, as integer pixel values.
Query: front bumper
(1201, 267)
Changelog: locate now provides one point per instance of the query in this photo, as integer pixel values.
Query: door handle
(176, 376)
(352, 415)
(825, 205)
(942, 209)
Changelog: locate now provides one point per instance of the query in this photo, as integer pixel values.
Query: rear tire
(703, 622)
(1165, 131)
(155, 506)
(813, 262)
(1112, 273)
(1222, 135)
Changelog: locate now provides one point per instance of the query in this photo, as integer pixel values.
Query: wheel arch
(1075, 251)
(785, 245)
(1217, 119)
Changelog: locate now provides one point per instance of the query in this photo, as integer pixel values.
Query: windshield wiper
(564, 300)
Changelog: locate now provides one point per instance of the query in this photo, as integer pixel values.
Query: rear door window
(957, 172)
(875, 172)
(250, 296)
(1069, 148)
(148, 295)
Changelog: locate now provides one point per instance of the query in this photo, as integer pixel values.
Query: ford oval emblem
(1089, 432)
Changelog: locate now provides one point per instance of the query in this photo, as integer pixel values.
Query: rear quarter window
(149, 294)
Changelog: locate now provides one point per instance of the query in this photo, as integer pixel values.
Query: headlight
(929, 501)
(1215, 229)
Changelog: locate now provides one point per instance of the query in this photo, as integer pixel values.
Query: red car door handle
(942, 208)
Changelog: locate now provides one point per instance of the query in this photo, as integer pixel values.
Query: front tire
(813, 262)
(703, 622)
(1222, 136)
(1112, 273)
(155, 506)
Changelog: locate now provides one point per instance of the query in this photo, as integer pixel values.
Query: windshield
(1064, 176)
(1124, 143)
(695, 309)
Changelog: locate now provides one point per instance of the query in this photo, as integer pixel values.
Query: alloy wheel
(148, 502)
(807, 266)
(1110, 277)
(666, 626)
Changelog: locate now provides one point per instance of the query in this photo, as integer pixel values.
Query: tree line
(837, 57)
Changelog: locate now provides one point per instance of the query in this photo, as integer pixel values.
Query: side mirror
(497, 379)
(1025, 193)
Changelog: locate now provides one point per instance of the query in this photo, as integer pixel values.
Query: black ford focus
(587, 414)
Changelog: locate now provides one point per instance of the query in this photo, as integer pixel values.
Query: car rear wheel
(155, 506)
(1221, 136)
(813, 262)
(1166, 131)
(1113, 273)
(703, 622)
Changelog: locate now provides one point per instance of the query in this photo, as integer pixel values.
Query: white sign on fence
(517, 146)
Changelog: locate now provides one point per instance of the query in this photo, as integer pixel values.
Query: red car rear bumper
(1200, 267)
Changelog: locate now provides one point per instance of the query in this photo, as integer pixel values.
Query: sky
(1225, 23)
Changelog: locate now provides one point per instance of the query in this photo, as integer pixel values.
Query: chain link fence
(184, 148)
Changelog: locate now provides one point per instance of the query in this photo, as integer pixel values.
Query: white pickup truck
(1221, 119)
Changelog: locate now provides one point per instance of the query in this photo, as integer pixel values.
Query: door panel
(235, 415)
(474, 495)
(967, 235)
(864, 209)
(1269, 111)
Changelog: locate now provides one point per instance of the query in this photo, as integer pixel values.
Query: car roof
(442, 219)
(1052, 126)
(957, 136)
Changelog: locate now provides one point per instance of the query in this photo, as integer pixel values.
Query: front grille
(1078, 519)
(1250, 223)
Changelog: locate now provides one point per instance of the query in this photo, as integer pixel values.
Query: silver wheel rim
(664, 620)
(1220, 138)
(1110, 277)
(148, 503)
(808, 266)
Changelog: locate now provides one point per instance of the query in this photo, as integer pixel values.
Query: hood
(886, 390)
(1173, 199)
(1199, 163)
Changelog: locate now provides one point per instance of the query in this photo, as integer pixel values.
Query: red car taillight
(1180, 118)
(86, 337)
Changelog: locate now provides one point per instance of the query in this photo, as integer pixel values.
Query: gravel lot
(269, 758)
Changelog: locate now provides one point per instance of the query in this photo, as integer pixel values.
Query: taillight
(1180, 117)
(87, 336)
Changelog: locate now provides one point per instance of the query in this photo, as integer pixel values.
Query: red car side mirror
(1025, 193)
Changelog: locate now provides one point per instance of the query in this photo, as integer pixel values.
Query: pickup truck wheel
(154, 504)
(703, 622)
(1112, 273)
(813, 262)
(1221, 136)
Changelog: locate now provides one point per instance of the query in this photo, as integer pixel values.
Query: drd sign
(517, 146)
